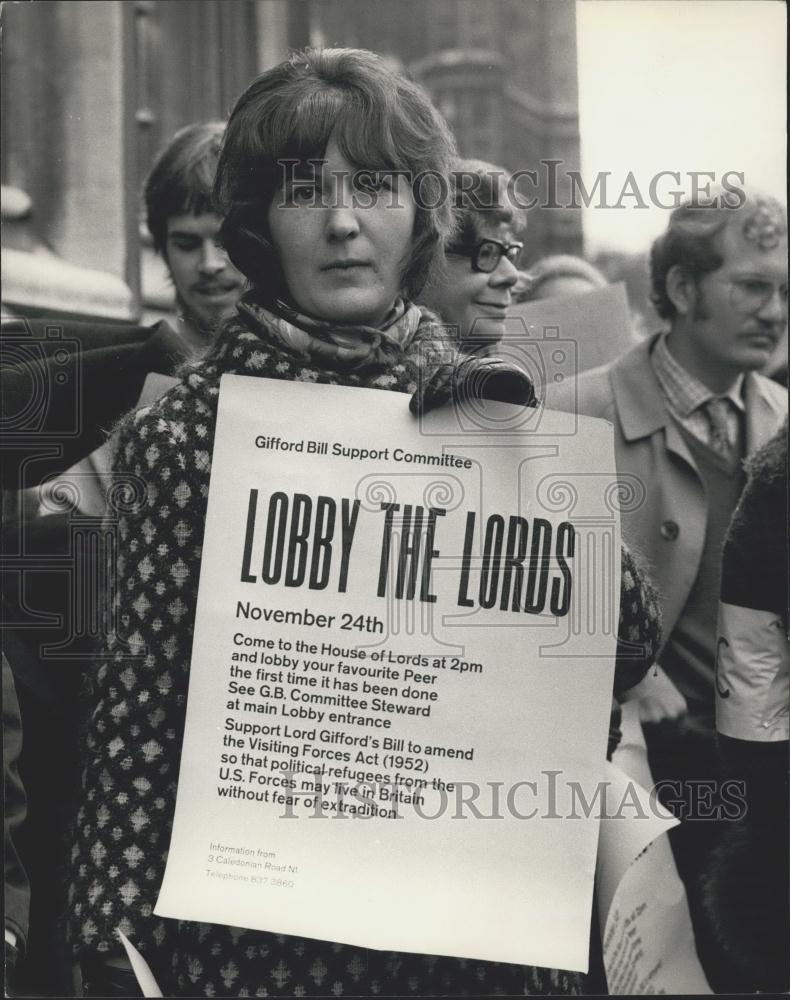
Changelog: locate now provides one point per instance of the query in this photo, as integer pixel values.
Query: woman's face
(342, 246)
(475, 302)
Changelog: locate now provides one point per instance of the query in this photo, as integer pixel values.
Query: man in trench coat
(688, 406)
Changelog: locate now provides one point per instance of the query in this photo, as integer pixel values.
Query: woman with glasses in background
(473, 292)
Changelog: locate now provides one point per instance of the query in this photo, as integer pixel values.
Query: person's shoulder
(768, 465)
(595, 393)
(589, 393)
(773, 391)
(431, 327)
(58, 334)
(433, 342)
(183, 413)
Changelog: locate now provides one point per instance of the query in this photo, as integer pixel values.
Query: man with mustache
(688, 406)
(184, 228)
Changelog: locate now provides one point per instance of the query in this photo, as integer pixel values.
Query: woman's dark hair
(690, 240)
(380, 121)
(482, 197)
(181, 180)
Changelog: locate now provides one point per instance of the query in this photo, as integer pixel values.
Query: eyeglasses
(750, 295)
(486, 254)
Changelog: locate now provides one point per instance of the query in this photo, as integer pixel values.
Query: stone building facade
(91, 89)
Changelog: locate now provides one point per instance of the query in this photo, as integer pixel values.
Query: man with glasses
(688, 406)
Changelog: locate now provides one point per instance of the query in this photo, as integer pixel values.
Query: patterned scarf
(341, 347)
(258, 342)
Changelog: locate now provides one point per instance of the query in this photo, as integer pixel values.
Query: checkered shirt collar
(684, 392)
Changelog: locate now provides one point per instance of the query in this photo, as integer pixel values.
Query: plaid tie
(718, 410)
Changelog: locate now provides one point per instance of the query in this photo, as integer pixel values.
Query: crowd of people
(337, 272)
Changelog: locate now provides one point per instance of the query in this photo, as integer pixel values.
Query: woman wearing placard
(333, 258)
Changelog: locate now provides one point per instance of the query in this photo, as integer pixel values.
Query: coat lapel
(763, 415)
(640, 402)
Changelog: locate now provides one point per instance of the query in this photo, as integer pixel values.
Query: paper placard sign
(646, 930)
(587, 330)
(401, 675)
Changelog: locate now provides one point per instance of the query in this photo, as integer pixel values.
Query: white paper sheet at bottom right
(648, 940)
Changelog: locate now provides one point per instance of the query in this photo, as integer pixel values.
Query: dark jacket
(17, 887)
(66, 384)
